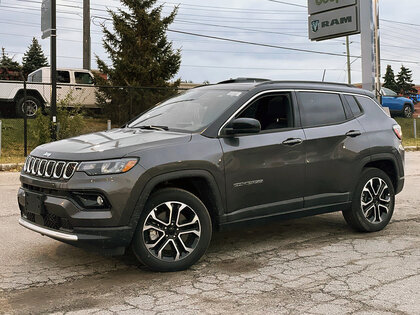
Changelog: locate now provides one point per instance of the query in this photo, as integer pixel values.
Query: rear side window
(63, 77)
(354, 106)
(36, 76)
(321, 109)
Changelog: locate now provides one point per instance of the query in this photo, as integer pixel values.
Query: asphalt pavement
(314, 265)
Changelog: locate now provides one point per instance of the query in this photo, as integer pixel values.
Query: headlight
(107, 167)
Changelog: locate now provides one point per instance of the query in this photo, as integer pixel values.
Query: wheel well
(388, 167)
(33, 93)
(199, 187)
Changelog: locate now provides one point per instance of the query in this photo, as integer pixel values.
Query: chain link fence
(81, 108)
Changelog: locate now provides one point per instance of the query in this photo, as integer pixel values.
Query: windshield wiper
(151, 127)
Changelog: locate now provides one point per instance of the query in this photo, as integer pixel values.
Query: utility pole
(86, 34)
(348, 60)
(53, 70)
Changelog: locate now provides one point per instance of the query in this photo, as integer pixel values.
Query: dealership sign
(46, 18)
(332, 18)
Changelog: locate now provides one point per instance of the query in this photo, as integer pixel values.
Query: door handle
(59, 87)
(78, 88)
(353, 133)
(292, 141)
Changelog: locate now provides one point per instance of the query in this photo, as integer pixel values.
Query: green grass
(407, 127)
(12, 149)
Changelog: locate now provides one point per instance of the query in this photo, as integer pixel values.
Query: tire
(33, 107)
(407, 111)
(172, 242)
(361, 216)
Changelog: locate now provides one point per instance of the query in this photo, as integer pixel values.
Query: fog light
(91, 200)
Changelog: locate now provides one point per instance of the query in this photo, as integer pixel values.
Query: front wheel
(407, 111)
(373, 202)
(173, 232)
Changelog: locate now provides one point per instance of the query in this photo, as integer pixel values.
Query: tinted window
(369, 104)
(272, 111)
(354, 106)
(321, 109)
(63, 77)
(83, 78)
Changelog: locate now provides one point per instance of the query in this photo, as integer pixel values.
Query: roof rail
(244, 80)
(312, 82)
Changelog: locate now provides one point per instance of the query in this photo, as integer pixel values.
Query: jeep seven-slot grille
(49, 168)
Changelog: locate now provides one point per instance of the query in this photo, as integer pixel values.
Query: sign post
(48, 28)
(336, 18)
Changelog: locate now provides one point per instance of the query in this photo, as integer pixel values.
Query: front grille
(49, 168)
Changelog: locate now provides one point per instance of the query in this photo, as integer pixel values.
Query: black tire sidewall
(411, 111)
(361, 220)
(161, 196)
(19, 111)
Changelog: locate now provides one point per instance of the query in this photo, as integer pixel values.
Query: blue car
(397, 105)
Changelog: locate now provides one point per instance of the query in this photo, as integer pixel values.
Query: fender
(30, 92)
(154, 181)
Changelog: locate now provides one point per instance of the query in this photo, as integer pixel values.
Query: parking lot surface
(314, 265)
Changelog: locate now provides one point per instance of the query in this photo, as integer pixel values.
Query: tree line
(402, 84)
(32, 60)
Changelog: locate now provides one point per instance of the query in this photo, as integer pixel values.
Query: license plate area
(34, 203)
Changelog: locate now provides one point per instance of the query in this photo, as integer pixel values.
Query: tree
(9, 69)
(405, 82)
(141, 56)
(33, 58)
(389, 80)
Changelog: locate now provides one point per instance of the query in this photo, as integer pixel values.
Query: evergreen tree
(389, 80)
(405, 82)
(34, 58)
(141, 56)
(9, 69)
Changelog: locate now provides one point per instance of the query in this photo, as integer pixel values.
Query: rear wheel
(173, 231)
(373, 202)
(33, 106)
(407, 111)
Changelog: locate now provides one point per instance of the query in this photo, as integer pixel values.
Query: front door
(265, 172)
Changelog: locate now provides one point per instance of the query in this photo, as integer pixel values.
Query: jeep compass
(232, 153)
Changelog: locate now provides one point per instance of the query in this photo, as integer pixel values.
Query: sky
(203, 59)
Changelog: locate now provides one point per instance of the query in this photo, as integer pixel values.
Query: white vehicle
(78, 83)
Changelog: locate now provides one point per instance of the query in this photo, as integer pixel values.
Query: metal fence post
(415, 128)
(109, 124)
(25, 122)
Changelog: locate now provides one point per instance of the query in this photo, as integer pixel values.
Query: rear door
(265, 172)
(84, 90)
(334, 144)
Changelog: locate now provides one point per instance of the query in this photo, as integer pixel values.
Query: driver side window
(273, 111)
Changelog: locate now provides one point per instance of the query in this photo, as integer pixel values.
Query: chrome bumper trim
(48, 232)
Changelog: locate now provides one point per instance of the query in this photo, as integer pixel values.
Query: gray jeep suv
(215, 156)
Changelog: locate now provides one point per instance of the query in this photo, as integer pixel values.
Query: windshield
(388, 92)
(191, 111)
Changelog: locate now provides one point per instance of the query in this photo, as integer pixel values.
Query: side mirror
(242, 126)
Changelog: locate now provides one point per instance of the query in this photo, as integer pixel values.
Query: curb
(11, 167)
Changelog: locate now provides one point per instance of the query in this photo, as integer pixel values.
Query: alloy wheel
(375, 200)
(31, 108)
(171, 231)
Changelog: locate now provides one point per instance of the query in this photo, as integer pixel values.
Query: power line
(288, 3)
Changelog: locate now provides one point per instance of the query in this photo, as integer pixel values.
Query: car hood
(115, 143)
(399, 98)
